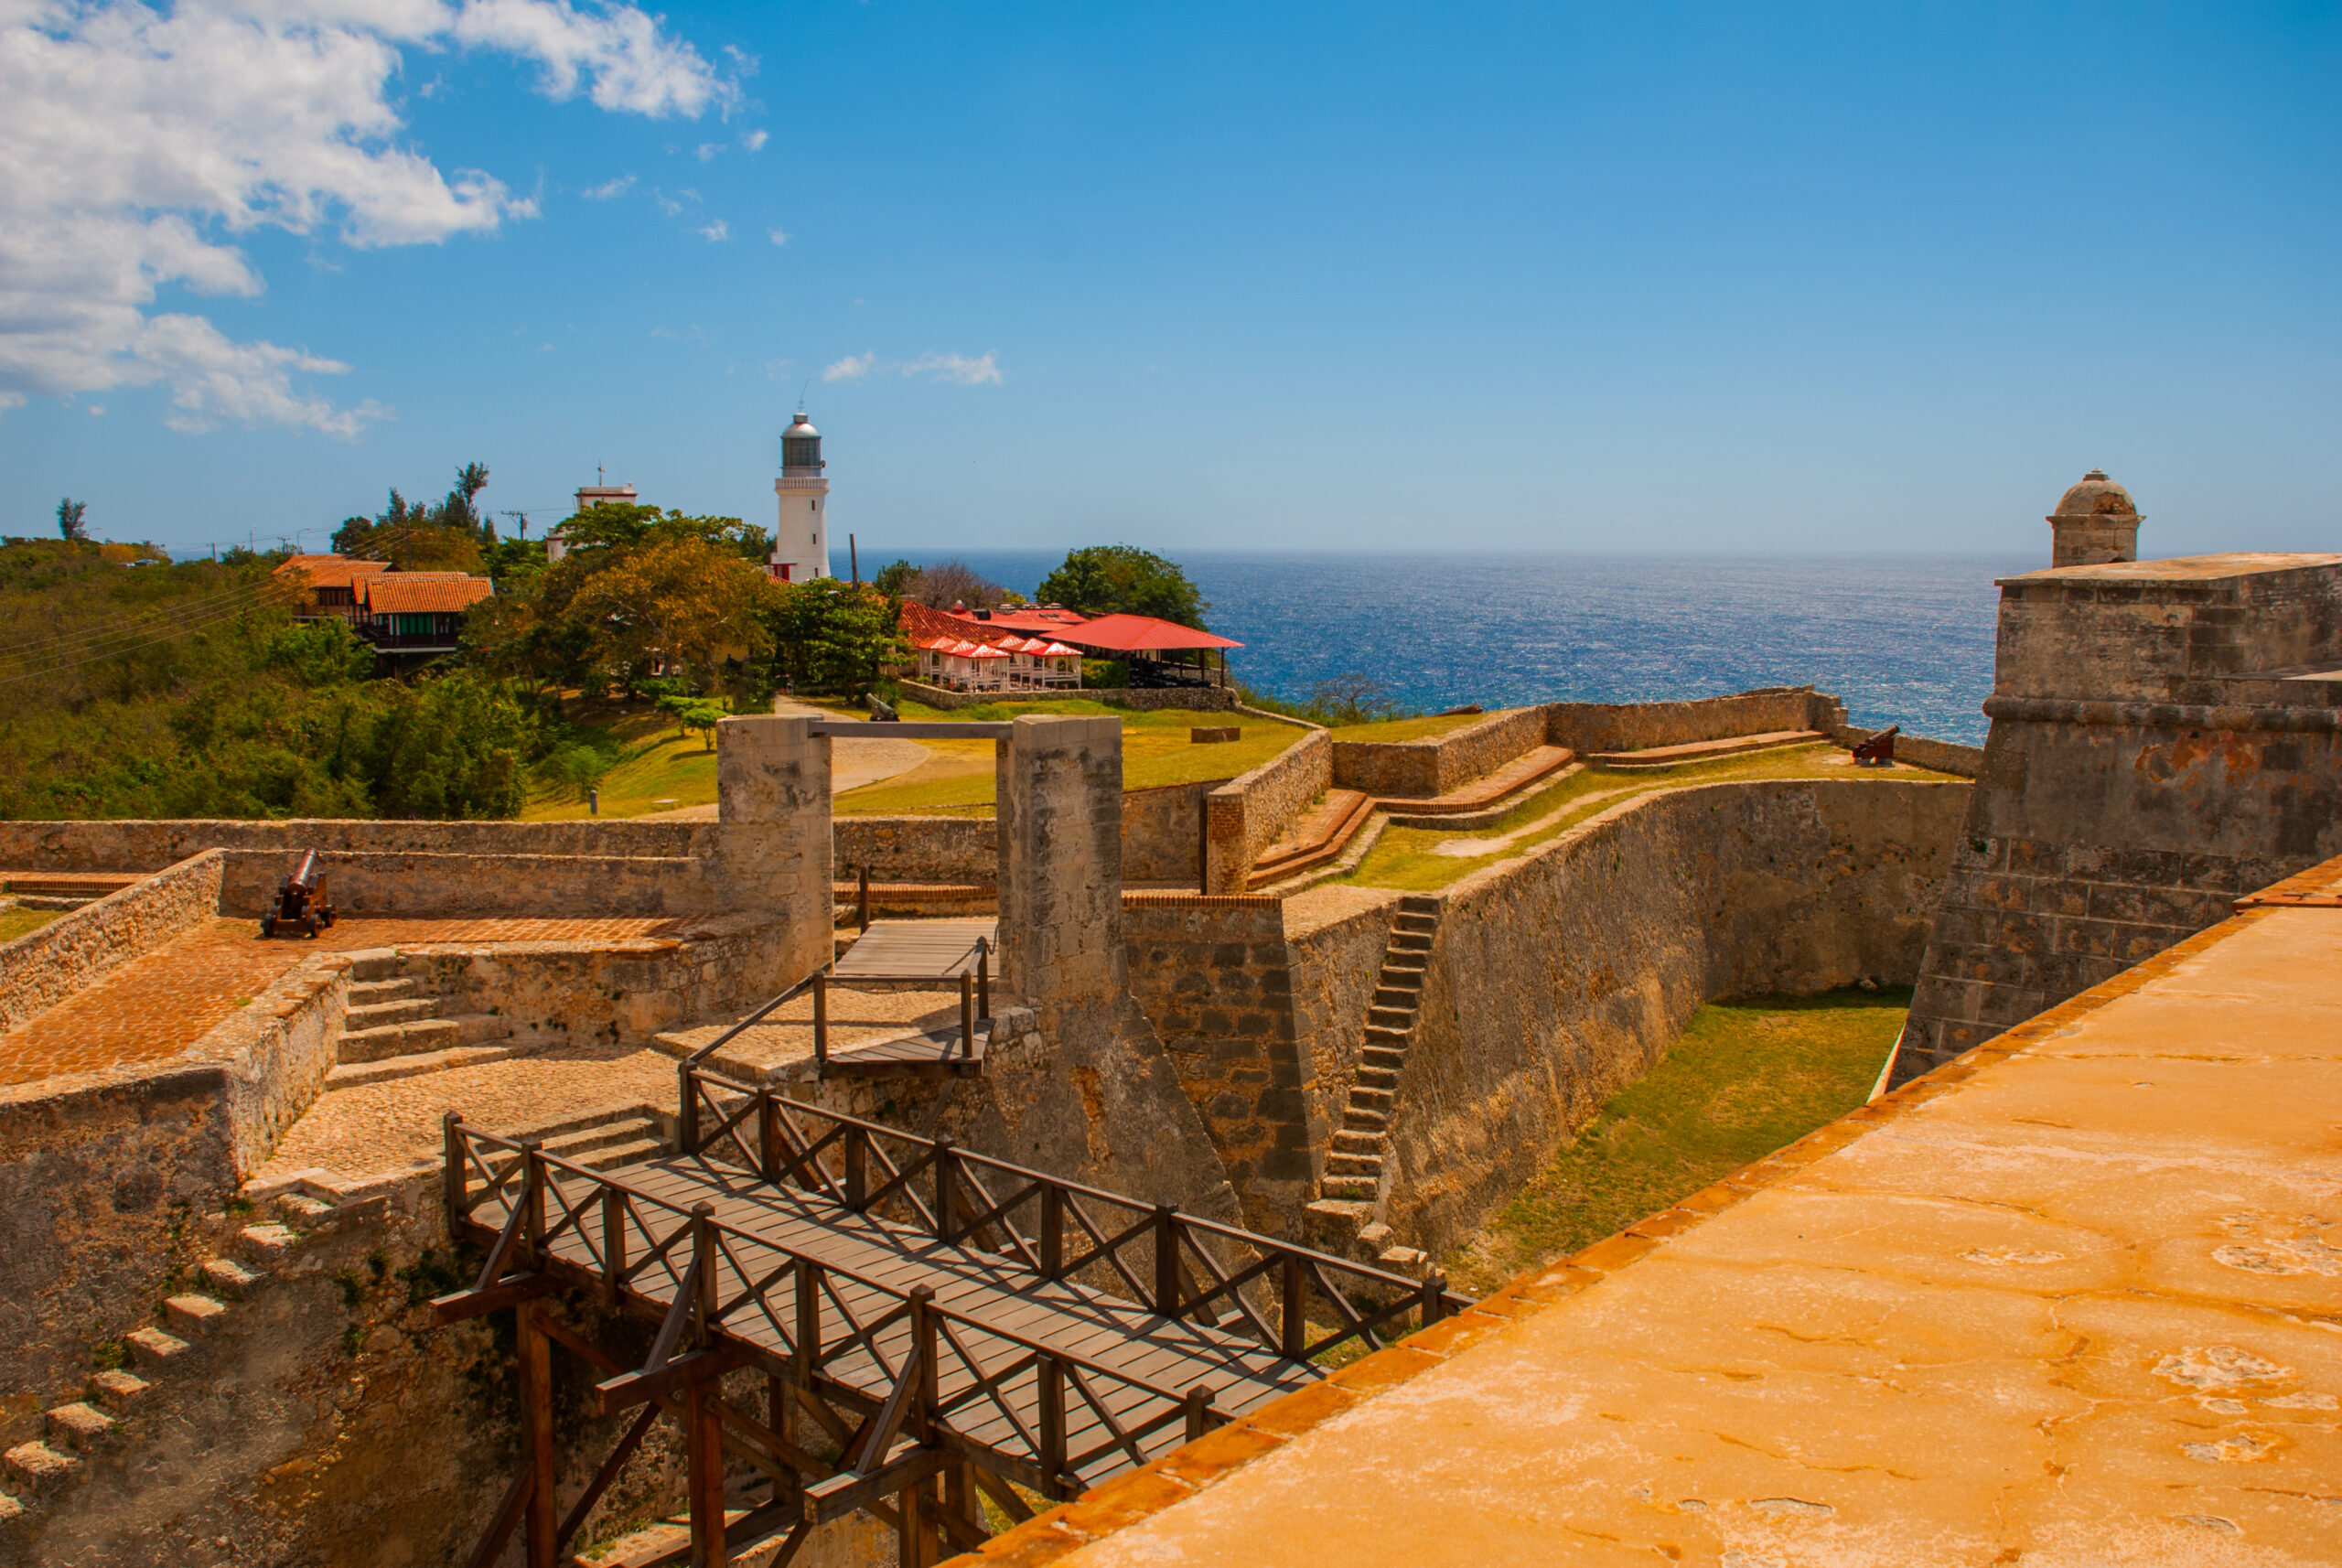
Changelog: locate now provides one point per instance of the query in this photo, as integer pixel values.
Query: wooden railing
(1174, 1264)
(625, 1233)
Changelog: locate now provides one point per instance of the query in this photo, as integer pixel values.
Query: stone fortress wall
(2166, 737)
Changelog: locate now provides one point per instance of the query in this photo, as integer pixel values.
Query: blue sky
(1423, 279)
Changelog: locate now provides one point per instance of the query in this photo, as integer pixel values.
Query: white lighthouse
(801, 540)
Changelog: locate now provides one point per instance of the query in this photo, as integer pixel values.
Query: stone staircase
(603, 1138)
(97, 1428)
(1351, 1191)
(394, 1028)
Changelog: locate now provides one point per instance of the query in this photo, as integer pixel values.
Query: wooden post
(703, 1448)
(1050, 1380)
(967, 1015)
(613, 1245)
(960, 1499)
(1166, 1260)
(857, 1169)
(532, 1193)
(1435, 1305)
(945, 1231)
(862, 900)
(821, 1024)
(768, 1136)
(535, 1352)
(687, 1111)
(1052, 1231)
(776, 1403)
(1292, 1329)
(921, 1497)
(809, 1323)
(703, 1256)
(916, 1544)
(983, 979)
(452, 1182)
(1198, 1411)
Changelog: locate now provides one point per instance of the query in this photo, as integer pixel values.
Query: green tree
(69, 526)
(829, 635)
(683, 603)
(893, 578)
(1123, 579)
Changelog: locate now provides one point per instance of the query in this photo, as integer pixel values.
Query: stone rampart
(917, 849)
(1635, 726)
(1433, 767)
(1162, 839)
(551, 886)
(1140, 699)
(1558, 979)
(42, 968)
(1335, 936)
(148, 845)
(1251, 812)
(1941, 755)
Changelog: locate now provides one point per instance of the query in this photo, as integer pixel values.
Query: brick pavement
(156, 1007)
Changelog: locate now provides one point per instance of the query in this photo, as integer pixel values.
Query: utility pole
(852, 559)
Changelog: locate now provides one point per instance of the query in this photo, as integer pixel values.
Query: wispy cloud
(707, 151)
(719, 229)
(956, 370)
(780, 236)
(755, 140)
(609, 189)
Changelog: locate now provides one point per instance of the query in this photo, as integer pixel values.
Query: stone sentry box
(2164, 740)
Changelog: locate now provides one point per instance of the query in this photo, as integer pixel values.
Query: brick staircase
(393, 1028)
(110, 1416)
(1351, 1191)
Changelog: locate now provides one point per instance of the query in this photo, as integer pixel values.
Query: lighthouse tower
(801, 542)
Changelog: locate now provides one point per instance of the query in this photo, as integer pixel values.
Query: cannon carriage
(301, 903)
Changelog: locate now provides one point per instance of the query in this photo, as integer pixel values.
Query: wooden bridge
(957, 1327)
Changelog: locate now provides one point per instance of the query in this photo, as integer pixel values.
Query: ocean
(1905, 640)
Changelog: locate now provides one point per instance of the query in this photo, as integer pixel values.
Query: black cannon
(301, 903)
(1878, 751)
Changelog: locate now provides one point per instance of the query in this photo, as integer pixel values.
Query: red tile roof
(1131, 634)
(329, 571)
(422, 592)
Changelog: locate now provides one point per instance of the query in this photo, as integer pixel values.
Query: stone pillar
(2095, 524)
(1225, 867)
(1061, 813)
(773, 832)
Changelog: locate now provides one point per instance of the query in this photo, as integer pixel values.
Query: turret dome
(2096, 495)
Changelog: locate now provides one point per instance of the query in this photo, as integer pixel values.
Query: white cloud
(719, 229)
(138, 145)
(780, 236)
(96, 409)
(707, 151)
(755, 140)
(957, 369)
(609, 189)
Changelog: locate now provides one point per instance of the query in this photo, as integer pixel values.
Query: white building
(556, 544)
(801, 537)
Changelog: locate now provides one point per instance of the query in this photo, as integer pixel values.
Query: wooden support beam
(607, 1473)
(703, 1482)
(848, 1489)
(510, 1291)
(508, 1516)
(629, 1388)
(535, 1352)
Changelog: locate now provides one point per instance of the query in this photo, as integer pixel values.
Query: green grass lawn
(15, 923)
(1407, 729)
(1405, 857)
(656, 765)
(1746, 1077)
(1155, 750)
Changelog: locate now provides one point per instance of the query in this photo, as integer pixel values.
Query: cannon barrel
(1890, 729)
(308, 864)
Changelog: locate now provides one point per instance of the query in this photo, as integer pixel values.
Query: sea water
(1905, 640)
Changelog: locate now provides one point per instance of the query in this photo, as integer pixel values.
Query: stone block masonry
(1445, 762)
(42, 969)
(1247, 814)
(2166, 737)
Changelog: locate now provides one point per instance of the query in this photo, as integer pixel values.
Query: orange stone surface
(156, 1007)
(2081, 1306)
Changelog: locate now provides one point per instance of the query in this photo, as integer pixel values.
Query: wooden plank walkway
(896, 950)
(871, 1265)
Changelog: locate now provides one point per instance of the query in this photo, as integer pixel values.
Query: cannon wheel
(309, 925)
(268, 925)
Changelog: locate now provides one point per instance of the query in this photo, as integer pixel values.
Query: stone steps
(1350, 1188)
(358, 1018)
(356, 1075)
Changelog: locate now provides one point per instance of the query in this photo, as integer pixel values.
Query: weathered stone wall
(149, 846)
(625, 992)
(1558, 979)
(2157, 749)
(1215, 977)
(42, 968)
(1433, 767)
(1162, 832)
(1251, 812)
(917, 849)
(1335, 936)
(1201, 699)
(551, 886)
(1633, 726)
(98, 1175)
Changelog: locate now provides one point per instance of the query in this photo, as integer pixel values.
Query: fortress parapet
(2166, 737)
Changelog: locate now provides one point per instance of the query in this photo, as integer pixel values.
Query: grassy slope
(15, 923)
(1745, 1078)
(659, 770)
(1404, 857)
(1407, 729)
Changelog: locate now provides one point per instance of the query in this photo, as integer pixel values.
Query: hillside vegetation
(187, 690)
